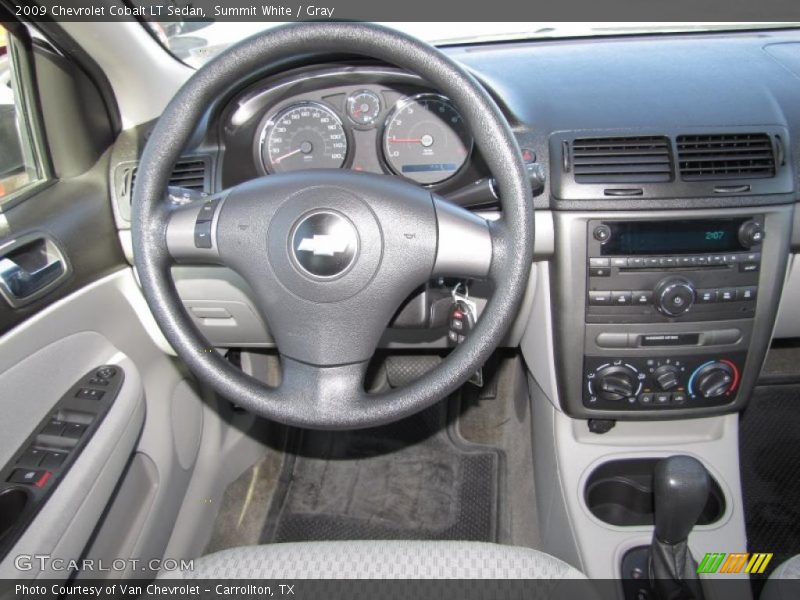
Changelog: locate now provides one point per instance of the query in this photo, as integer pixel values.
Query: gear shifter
(681, 486)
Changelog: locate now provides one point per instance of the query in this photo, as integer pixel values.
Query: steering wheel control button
(324, 244)
(202, 234)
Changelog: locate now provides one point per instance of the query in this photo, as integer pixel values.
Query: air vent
(641, 159)
(725, 156)
(188, 173)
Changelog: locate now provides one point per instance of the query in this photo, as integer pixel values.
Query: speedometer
(307, 135)
(426, 139)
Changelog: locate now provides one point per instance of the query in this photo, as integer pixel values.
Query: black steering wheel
(331, 254)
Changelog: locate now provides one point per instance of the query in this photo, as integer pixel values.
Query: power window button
(74, 430)
(54, 460)
(89, 394)
(54, 427)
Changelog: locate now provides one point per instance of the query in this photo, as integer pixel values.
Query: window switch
(74, 430)
(98, 381)
(54, 460)
(54, 427)
(32, 458)
(89, 394)
(35, 477)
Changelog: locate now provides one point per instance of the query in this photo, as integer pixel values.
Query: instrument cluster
(402, 130)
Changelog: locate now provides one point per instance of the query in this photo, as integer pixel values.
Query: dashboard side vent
(190, 173)
(725, 156)
(640, 159)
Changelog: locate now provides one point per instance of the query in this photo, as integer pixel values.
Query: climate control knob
(616, 382)
(714, 379)
(666, 376)
(674, 296)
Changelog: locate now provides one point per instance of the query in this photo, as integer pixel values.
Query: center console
(670, 312)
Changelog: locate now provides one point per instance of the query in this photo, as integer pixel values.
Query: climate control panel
(661, 383)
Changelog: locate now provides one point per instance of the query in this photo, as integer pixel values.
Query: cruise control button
(600, 298)
(621, 298)
(746, 293)
(202, 234)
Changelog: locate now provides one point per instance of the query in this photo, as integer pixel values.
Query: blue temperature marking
(691, 379)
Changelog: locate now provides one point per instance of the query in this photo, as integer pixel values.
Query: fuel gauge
(363, 107)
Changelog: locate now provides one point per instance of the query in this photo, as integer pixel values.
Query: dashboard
(655, 162)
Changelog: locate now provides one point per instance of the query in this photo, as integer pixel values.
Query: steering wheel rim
(318, 393)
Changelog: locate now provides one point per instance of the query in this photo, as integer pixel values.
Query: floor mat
(408, 480)
(769, 439)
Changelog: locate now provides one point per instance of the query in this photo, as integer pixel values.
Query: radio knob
(616, 383)
(674, 296)
(666, 376)
(751, 234)
(715, 380)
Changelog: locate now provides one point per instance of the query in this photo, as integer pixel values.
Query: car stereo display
(695, 236)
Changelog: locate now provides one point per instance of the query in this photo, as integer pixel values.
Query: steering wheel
(331, 254)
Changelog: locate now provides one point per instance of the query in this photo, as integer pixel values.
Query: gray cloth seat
(379, 560)
(784, 582)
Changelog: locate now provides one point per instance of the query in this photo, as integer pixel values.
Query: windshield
(197, 42)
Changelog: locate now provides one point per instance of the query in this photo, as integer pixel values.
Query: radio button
(700, 261)
(599, 262)
(635, 263)
(748, 267)
(732, 258)
(727, 295)
(619, 262)
(600, 298)
(599, 272)
(717, 259)
(651, 261)
(746, 293)
(668, 261)
(751, 257)
(621, 298)
(706, 296)
(685, 261)
(601, 233)
(644, 297)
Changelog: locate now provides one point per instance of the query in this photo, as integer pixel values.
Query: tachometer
(308, 135)
(426, 139)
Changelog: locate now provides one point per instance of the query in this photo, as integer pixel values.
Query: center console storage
(620, 493)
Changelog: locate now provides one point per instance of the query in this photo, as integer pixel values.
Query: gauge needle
(396, 140)
(287, 155)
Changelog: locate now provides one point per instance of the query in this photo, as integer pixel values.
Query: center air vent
(641, 159)
(725, 156)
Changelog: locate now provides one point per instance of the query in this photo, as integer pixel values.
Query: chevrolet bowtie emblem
(323, 245)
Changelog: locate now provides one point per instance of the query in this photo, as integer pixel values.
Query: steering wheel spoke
(464, 242)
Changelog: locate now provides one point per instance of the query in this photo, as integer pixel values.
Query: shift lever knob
(681, 487)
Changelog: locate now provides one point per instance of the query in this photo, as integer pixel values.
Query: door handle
(30, 266)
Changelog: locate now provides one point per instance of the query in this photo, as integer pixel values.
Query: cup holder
(620, 492)
(12, 504)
